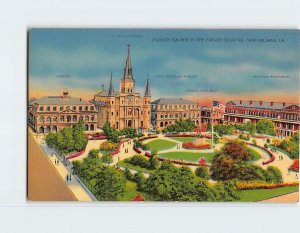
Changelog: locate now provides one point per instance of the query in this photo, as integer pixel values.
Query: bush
(107, 146)
(202, 172)
(140, 180)
(154, 162)
(106, 158)
(273, 175)
(138, 160)
(127, 173)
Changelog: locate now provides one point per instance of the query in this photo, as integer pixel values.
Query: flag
(219, 106)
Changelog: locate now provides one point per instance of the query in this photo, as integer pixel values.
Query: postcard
(147, 115)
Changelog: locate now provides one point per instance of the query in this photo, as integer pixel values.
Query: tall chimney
(283, 103)
(250, 102)
(260, 103)
(272, 103)
(241, 101)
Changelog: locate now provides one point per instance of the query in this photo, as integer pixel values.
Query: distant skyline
(196, 64)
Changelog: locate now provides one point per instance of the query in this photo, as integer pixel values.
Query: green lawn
(254, 154)
(187, 156)
(131, 192)
(183, 139)
(262, 194)
(138, 168)
(160, 144)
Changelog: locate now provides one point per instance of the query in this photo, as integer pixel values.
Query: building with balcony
(53, 113)
(286, 116)
(218, 115)
(166, 111)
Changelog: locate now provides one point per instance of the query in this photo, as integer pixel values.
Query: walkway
(291, 197)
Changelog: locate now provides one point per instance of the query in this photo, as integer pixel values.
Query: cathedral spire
(111, 89)
(128, 68)
(147, 91)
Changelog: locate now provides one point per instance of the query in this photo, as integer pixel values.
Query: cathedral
(124, 108)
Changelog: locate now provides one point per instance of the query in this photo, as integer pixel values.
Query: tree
(265, 126)
(128, 175)
(236, 150)
(203, 192)
(140, 180)
(274, 175)
(80, 140)
(276, 142)
(110, 184)
(154, 162)
(93, 154)
(106, 158)
(202, 172)
(250, 127)
(208, 127)
(51, 139)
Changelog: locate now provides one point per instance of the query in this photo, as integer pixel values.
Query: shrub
(127, 173)
(273, 175)
(107, 146)
(140, 180)
(202, 172)
(106, 158)
(154, 162)
(138, 160)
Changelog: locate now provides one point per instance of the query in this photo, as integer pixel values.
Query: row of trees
(141, 161)
(263, 126)
(232, 163)
(108, 183)
(113, 135)
(180, 125)
(68, 139)
(170, 183)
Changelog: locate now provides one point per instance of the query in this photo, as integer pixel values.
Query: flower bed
(191, 145)
(295, 166)
(148, 154)
(259, 136)
(260, 185)
(137, 150)
(202, 162)
(96, 136)
(180, 135)
(138, 197)
(71, 156)
(147, 137)
(117, 150)
(272, 157)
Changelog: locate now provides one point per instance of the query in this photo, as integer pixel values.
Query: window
(80, 108)
(92, 108)
(86, 108)
(48, 109)
(41, 109)
(61, 108)
(74, 108)
(54, 108)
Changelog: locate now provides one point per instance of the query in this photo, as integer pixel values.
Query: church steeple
(128, 68)
(147, 91)
(111, 89)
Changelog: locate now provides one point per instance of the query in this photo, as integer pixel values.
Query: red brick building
(286, 116)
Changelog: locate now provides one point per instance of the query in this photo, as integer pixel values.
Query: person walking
(70, 177)
(67, 178)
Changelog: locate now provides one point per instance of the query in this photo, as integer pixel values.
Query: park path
(78, 190)
(291, 197)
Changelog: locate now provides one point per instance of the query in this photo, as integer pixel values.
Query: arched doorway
(47, 130)
(86, 127)
(41, 129)
(129, 123)
(92, 127)
(54, 129)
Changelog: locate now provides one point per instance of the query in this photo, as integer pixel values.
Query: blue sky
(218, 65)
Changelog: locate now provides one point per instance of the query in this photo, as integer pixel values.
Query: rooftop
(261, 104)
(172, 101)
(59, 100)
